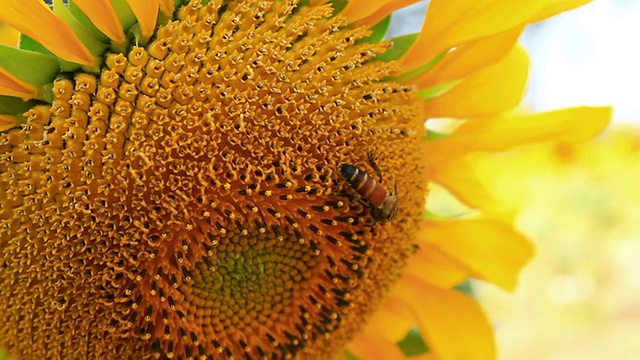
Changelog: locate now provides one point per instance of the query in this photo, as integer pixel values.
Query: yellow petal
(508, 130)
(146, 11)
(7, 122)
(491, 249)
(452, 323)
(452, 23)
(371, 345)
(360, 9)
(12, 86)
(566, 125)
(34, 19)
(431, 265)
(469, 58)
(167, 7)
(555, 7)
(9, 35)
(392, 320)
(104, 17)
(462, 181)
(491, 90)
(368, 12)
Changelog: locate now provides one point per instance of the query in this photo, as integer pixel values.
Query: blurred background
(579, 299)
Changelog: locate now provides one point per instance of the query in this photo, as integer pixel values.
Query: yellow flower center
(187, 201)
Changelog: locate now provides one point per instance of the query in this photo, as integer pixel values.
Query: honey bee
(383, 204)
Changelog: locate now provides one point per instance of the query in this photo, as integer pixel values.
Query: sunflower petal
(461, 180)
(452, 323)
(9, 35)
(104, 17)
(470, 58)
(384, 11)
(554, 7)
(431, 265)
(372, 345)
(167, 7)
(491, 249)
(493, 89)
(7, 122)
(146, 12)
(509, 130)
(88, 37)
(12, 86)
(370, 12)
(393, 320)
(566, 125)
(34, 19)
(453, 23)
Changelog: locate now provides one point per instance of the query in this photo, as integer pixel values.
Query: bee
(383, 204)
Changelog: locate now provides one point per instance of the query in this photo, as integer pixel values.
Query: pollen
(186, 201)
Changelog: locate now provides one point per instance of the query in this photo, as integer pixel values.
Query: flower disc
(186, 202)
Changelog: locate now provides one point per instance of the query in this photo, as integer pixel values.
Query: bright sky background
(588, 56)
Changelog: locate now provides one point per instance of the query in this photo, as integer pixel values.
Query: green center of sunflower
(250, 282)
(187, 201)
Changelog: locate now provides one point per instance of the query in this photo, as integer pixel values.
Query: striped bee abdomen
(369, 189)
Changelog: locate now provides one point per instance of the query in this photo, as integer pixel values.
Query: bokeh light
(578, 299)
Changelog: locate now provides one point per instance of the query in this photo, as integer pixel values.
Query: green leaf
(378, 30)
(401, 45)
(350, 356)
(47, 93)
(135, 33)
(420, 70)
(88, 38)
(14, 106)
(413, 344)
(27, 43)
(30, 66)
(433, 135)
(465, 288)
(430, 93)
(68, 66)
(338, 5)
(125, 14)
(177, 4)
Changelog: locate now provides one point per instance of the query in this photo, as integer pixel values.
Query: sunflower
(174, 184)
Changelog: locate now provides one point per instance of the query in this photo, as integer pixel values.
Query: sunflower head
(176, 193)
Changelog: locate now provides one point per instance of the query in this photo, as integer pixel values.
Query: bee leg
(371, 223)
(376, 215)
(354, 198)
(372, 161)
